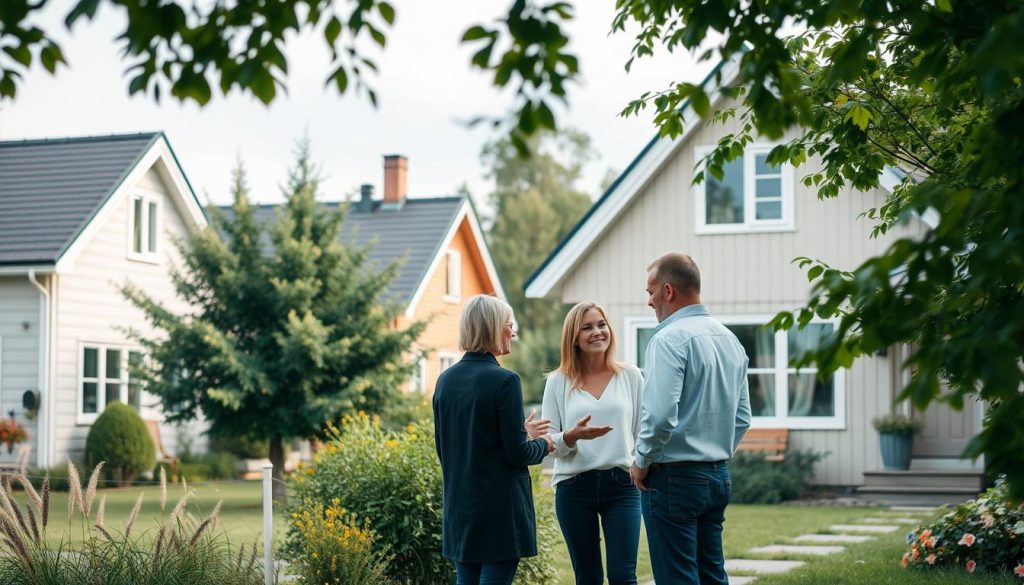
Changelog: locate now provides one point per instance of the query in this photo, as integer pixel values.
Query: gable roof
(52, 189)
(606, 210)
(418, 231)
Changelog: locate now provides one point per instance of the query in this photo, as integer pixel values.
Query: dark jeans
(610, 496)
(497, 573)
(683, 513)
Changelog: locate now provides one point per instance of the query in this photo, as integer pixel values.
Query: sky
(426, 90)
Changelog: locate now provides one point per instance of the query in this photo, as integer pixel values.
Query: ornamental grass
(183, 550)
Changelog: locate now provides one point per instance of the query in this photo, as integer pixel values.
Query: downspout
(43, 420)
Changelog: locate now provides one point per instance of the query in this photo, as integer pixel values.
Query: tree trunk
(280, 493)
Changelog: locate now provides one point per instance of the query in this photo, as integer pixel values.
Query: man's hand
(536, 428)
(583, 432)
(638, 476)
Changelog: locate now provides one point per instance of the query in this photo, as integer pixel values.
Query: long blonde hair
(570, 365)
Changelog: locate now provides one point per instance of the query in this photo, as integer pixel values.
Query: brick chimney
(395, 170)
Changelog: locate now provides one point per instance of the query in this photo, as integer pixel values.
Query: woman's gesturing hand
(536, 428)
(583, 432)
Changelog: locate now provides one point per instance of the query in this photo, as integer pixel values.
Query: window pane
(113, 364)
(113, 393)
(137, 225)
(809, 396)
(89, 397)
(724, 203)
(153, 231)
(643, 337)
(810, 337)
(134, 384)
(768, 188)
(91, 367)
(761, 166)
(759, 342)
(769, 210)
(762, 394)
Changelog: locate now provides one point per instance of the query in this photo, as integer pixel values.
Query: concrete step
(795, 549)
(832, 538)
(756, 566)
(918, 496)
(945, 479)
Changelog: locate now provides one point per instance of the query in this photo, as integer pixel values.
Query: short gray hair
(679, 270)
(482, 322)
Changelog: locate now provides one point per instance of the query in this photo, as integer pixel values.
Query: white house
(744, 231)
(79, 217)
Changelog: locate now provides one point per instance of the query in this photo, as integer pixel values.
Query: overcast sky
(425, 88)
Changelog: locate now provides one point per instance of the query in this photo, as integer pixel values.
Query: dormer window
(144, 224)
(751, 196)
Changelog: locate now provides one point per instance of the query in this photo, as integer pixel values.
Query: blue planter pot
(896, 449)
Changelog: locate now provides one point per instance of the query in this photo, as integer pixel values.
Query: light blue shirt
(696, 405)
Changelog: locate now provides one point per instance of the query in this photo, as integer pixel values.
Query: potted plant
(12, 433)
(897, 439)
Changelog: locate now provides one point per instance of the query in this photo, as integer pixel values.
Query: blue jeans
(497, 573)
(683, 513)
(580, 502)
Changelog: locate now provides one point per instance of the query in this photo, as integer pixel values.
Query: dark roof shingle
(50, 189)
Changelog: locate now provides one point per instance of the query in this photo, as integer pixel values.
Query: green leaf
(387, 12)
(138, 83)
(944, 5)
(860, 116)
(475, 33)
(545, 117)
(332, 30)
(701, 103)
(340, 79)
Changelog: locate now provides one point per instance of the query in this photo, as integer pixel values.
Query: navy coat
(484, 453)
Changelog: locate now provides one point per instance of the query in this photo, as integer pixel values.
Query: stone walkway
(811, 545)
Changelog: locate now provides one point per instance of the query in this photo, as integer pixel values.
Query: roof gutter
(43, 426)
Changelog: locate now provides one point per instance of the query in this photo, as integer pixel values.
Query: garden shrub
(393, 480)
(208, 466)
(119, 438)
(756, 480)
(335, 549)
(240, 446)
(984, 535)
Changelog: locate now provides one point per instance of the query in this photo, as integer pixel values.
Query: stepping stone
(871, 529)
(737, 580)
(890, 520)
(798, 550)
(753, 566)
(851, 538)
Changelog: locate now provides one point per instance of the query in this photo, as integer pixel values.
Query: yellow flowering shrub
(335, 549)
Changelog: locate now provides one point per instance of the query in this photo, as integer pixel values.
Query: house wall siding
(441, 335)
(91, 308)
(745, 274)
(19, 352)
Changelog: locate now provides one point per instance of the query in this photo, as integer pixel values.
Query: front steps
(925, 487)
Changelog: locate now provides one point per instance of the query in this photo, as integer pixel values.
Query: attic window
(145, 227)
(453, 276)
(752, 195)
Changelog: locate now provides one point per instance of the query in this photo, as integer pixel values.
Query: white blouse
(618, 407)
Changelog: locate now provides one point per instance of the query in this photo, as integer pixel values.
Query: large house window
(752, 195)
(780, 396)
(453, 275)
(105, 378)
(446, 360)
(145, 227)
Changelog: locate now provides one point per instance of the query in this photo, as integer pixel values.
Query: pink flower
(930, 543)
(1019, 571)
(967, 539)
(925, 534)
(988, 520)
(915, 553)
(905, 560)
(930, 559)
(971, 565)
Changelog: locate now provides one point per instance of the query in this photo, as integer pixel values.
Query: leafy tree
(287, 330)
(536, 203)
(931, 89)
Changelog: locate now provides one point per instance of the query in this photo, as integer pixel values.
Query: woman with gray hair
(489, 522)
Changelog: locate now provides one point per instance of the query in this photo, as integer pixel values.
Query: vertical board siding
(19, 352)
(749, 274)
(91, 308)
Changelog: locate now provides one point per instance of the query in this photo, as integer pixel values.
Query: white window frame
(443, 356)
(782, 371)
(151, 201)
(87, 418)
(421, 366)
(750, 224)
(453, 276)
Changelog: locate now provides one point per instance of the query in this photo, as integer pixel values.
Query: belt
(686, 464)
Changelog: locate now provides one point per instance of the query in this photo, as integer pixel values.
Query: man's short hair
(677, 269)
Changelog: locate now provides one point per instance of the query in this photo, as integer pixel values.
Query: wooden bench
(771, 442)
(162, 457)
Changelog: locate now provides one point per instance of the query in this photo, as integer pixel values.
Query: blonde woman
(489, 521)
(593, 405)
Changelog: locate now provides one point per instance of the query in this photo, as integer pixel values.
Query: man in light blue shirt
(696, 408)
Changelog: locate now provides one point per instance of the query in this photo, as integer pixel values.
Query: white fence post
(268, 524)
